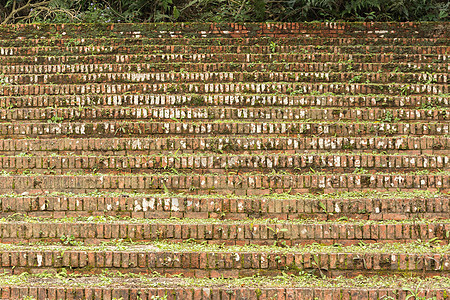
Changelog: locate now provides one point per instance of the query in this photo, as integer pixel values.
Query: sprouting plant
(23, 154)
(348, 64)
(324, 208)
(277, 231)
(388, 118)
(273, 47)
(159, 297)
(429, 78)
(69, 240)
(415, 294)
(3, 81)
(55, 119)
(355, 79)
(360, 171)
(404, 91)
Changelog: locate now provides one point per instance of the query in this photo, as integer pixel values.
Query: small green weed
(55, 119)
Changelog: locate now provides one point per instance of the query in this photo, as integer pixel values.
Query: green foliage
(368, 10)
(116, 11)
(355, 79)
(259, 6)
(69, 241)
(55, 119)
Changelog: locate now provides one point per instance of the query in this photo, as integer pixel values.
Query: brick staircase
(225, 161)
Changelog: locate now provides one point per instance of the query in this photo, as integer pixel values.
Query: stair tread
(156, 284)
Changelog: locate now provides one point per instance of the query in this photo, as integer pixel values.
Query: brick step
(265, 113)
(207, 49)
(437, 145)
(366, 206)
(113, 285)
(243, 232)
(279, 88)
(224, 57)
(233, 30)
(55, 128)
(227, 77)
(212, 261)
(227, 67)
(224, 41)
(226, 100)
(239, 184)
(223, 164)
(173, 288)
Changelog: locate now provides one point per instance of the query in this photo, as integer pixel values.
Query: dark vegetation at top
(117, 11)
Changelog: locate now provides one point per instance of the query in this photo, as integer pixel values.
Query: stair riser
(224, 41)
(181, 49)
(228, 88)
(227, 77)
(248, 101)
(225, 67)
(226, 216)
(223, 184)
(230, 265)
(208, 114)
(236, 209)
(150, 146)
(241, 30)
(219, 164)
(211, 293)
(239, 234)
(142, 129)
(223, 57)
